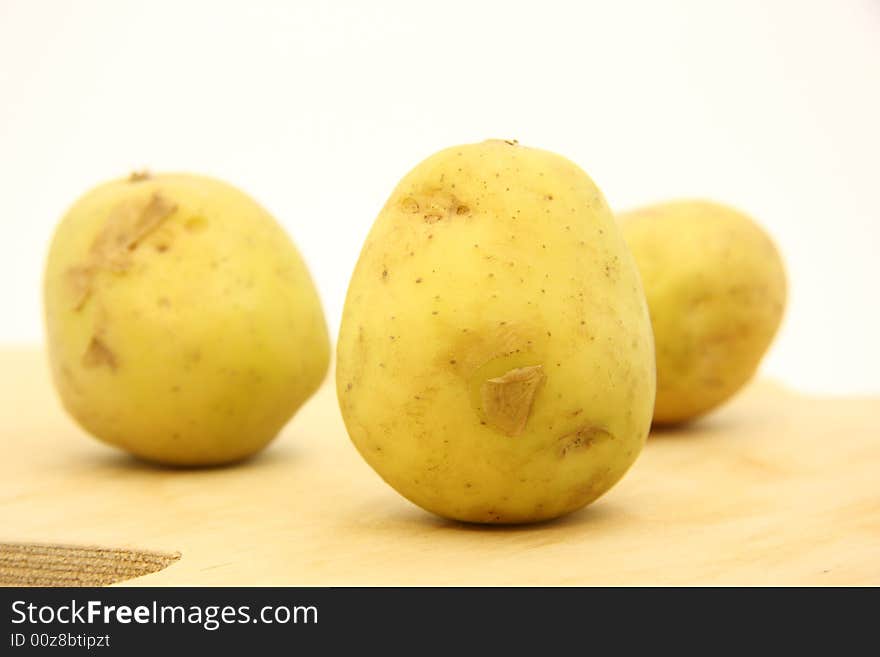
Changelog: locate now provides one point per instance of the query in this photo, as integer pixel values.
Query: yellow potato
(716, 291)
(182, 324)
(495, 360)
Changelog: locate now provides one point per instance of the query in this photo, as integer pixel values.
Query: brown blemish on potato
(581, 439)
(129, 224)
(509, 142)
(126, 227)
(409, 205)
(79, 280)
(507, 399)
(139, 176)
(434, 204)
(98, 354)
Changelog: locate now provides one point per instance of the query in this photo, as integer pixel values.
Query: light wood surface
(773, 489)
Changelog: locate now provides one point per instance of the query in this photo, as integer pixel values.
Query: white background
(318, 108)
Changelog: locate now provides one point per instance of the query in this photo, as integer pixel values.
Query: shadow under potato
(116, 459)
(729, 419)
(596, 512)
(704, 425)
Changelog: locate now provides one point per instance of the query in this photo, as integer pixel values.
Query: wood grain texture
(29, 564)
(773, 489)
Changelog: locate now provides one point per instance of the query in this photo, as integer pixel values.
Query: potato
(182, 324)
(495, 360)
(716, 291)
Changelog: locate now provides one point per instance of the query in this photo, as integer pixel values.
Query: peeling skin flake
(126, 227)
(79, 279)
(99, 354)
(507, 399)
(435, 203)
(582, 439)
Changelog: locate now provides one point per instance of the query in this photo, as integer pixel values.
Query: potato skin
(494, 281)
(182, 324)
(716, 290)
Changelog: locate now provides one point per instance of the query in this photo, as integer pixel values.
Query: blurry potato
(716, 291)
(182, 324)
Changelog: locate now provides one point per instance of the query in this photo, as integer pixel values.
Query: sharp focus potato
(495, 360)
(716, 291)
(182, 324)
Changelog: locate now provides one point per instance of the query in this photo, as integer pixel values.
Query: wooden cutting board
(775, 488)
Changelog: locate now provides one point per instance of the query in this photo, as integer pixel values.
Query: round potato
(495, 360)
(716, 292)
(182, 324)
